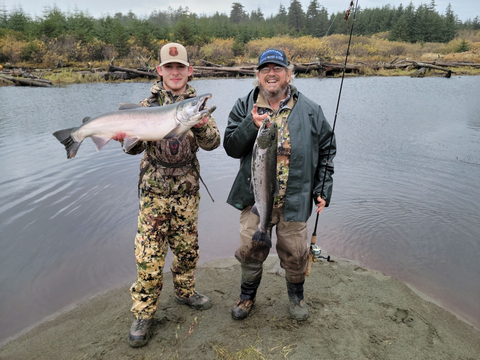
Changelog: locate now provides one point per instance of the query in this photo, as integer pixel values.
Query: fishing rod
(315, 251)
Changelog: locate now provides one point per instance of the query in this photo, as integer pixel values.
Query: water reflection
(406, 200)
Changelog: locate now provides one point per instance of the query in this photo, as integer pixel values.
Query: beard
(273, 95)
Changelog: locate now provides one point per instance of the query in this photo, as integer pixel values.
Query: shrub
(34, 51)
(12, 49)
(219, 51)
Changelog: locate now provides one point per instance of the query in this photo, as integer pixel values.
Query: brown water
(406, 195)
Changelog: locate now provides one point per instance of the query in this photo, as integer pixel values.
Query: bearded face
(273, 81)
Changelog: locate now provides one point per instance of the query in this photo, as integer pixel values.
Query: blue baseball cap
(273, 56)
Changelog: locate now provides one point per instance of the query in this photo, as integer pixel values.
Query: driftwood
(429, 66)
(422, 69)
(28, 82)
(215, 70)
(391, 65)
(208, 63)
(449, 63)
(207, 71)
(131, 73)
(324, 68)
(23, 76)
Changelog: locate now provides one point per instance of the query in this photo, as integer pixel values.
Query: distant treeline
(78, 36)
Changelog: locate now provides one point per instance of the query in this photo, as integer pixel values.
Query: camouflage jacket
(173, 160)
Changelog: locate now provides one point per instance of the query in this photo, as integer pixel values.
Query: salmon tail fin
(64, 136)
(262, 237)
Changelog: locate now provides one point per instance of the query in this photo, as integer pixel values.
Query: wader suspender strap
(176, 165)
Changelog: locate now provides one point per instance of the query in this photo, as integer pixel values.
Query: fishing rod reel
(317, 253)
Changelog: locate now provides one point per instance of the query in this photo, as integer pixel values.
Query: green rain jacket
(310, 135)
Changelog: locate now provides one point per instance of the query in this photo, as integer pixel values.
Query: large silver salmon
(264, 179)
(138, 123)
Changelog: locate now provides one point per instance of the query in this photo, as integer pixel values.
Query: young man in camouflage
(169, 200)
(303, 155)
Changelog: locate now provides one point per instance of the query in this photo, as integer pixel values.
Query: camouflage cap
(173, 52)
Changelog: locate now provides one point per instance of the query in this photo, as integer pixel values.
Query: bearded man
(306, 147)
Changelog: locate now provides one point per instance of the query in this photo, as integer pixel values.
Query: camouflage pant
(164, 222)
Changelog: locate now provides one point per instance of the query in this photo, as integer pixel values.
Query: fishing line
(315, 250)
(333, 21)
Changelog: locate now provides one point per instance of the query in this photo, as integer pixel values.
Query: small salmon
(264, 179)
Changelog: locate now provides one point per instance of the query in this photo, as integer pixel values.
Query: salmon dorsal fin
(128, 106)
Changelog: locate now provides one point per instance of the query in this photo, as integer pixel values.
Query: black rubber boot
(297, 306)
(247, 299)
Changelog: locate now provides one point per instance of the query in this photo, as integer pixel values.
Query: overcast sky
(465, 9)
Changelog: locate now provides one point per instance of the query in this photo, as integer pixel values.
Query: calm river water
(406, 195)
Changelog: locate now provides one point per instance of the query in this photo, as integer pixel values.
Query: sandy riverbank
(355, 313)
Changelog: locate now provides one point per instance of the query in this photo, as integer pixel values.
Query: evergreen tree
(120, 37)
(449, 25)
(400, 30)
(18, 21)
(296, 17)
(476, 23)
(186, 31)
(316, 19)
(463, 46)
(142, 30)
(257, 16)
(237, 15)
(221, 26)
(282, 15)
(3, 15)
(54, 23)
(278, 23)
(81, 26)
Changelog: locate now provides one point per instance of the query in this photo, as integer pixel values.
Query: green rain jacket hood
(310, 135)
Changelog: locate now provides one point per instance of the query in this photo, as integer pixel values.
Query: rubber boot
(247, 299)
(297, 306)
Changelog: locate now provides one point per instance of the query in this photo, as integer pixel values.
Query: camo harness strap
(169, 165)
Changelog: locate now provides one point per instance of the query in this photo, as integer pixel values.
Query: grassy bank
(367, 52)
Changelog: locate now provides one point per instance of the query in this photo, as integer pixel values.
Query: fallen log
(450, 63)
(208, 63)
(429, 66)
(422, 67)
(138, 73)
(390, 66)
(324, 68)
(208, 71)
(28, 82)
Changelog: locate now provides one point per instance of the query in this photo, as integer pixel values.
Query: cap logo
(271, 55)
(173, 51)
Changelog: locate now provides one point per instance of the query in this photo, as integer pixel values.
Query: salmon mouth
(203, 104)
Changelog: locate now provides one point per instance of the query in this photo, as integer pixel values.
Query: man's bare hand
(258, 119)
(320, 205)
(201, 123)
(119, 136)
